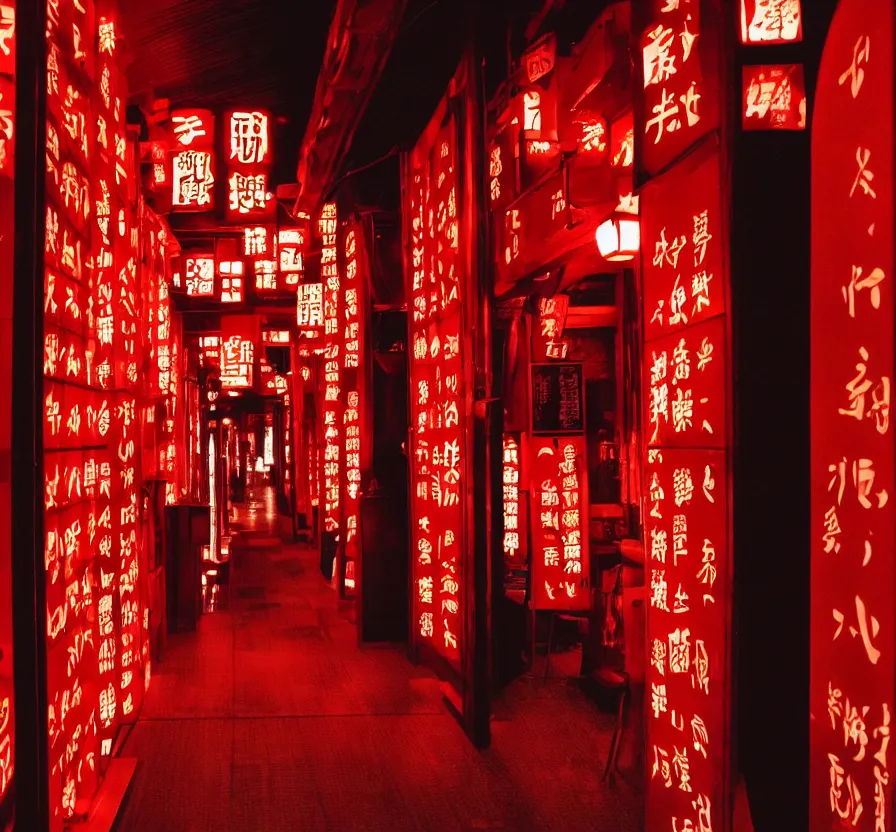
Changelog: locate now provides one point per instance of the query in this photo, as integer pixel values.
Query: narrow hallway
(271, 718)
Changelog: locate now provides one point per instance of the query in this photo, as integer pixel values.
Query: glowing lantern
(619, 238)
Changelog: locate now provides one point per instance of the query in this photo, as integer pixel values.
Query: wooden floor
(271, 719)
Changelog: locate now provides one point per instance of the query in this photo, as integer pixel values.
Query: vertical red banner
(332, 410)
(354, 276)
(686, 511)
(437, 390)
(851, 693)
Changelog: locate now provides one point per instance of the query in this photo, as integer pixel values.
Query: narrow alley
(271, 719)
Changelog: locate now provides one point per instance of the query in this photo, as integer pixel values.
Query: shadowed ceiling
(215, 53)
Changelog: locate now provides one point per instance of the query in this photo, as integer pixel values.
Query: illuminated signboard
(560, 556)
(237, 363)
(547, 339)
(594, 136)
(310, 309)
(332, 409)
(514, 527)
(774, 97)
(276, 337)
(249, 159)
(353, 379)
(266, 276)
(231, 280)
(192, 180)
(770, 21)
(200, 276)
(193, 129)
(257, 241)
(291, 244)
(438, 454)
(686, 529)
(96, 640)
(852, 701)
(679, 93)
(210, 347)
(622, 141)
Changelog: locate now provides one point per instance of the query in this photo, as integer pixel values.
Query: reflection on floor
(271, 719)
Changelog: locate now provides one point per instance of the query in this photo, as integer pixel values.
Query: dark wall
(770, 300)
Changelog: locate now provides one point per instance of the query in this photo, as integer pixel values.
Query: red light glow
(770, 21)
(686, 504)
(276, 337)
(310, 309)
(332, 409)
(560, 556)
(194, 129)
(436, 369)
(774, 97)
(548, 340)
(853, 624)
(514, 528)
(200, 276)
(237, 363)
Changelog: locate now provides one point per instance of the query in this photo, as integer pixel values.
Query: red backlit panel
(97, 639)
(237, 363)
(353, 382)
(310, 309)
(686, 530)
(680, 100)
(436, 390)
(7, 236)
(278, 337)
(249, 159)
(258, 241)
(332, 408)
(199, 276)
(192, 129)
(192, 180)
(770, 21)
(515, 547)
(560, 558)
(291, 247)
(774, 97)
(851, 686)
(622, 141)
(548, 337)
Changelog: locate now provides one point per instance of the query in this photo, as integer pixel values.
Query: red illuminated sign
(200, 276)
(539, 58)
(436, 384)
(97, 638)
(332, 410)
(249, 138)
(192, 180)
(266, 276)
(770, 21)
(514, 521)
(237, 363)
(679, 103)
(594, 136)
(622, 141)
(210, 347)
(853, 624)
(548, 337)
(231, 280)
(275, 336)
(291, 247)
(560, 555)
(354, 314)
(258, 241)
(686, 476)
(249, 159)
(193, 129)
(310, 309)
(774, 97)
